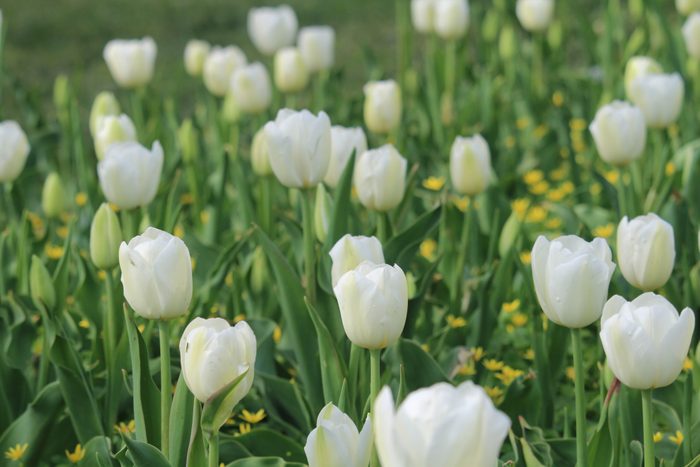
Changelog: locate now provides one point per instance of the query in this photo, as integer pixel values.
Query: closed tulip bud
(105, 238)
(113, 129)
(571, 278)
(61, 94)
(230, 112)
(291, 74)
(555, 35)
(317, 47)
(251, 88)
(380, 178)
(129, 174)
(271, 28)
(41, 285)
(451, 18)
(686, 7)
(373, 302)
(188, 140)
(382, 109)
(219, 67)
(637, 67)
(344, 141)
(14, 150)
(691, 35)
(322, 213)
(645, 340)
(619, 132)
(105, 104)
(350, 251)
(131, 62)
(470, 165)
(53, 196)
(335, 442)
(423, 15)
(660, 98)
(196, 52)
(439, 425)
(646, 251)
(299, 146)
(156, 274)
(260, 156)
(534, 15)
(507, 43)
(213, 355)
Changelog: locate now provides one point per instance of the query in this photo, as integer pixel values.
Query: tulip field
(468, 237)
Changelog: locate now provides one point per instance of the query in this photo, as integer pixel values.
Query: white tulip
(691, 35)
(335, 442)
(343, 142)
(440, 425)
(637, 67)
(317, 47)
(219, 67)
(131, 62)
(534, 15)
(619, 132)
(646, 251)
(451, 18)
(350, 251)
(470, 165)
(271, 28)
(196, 52)
(423, 15)
(105, 104)
(645, 341)
(14, 149)
(251, 88)
(660, 98)
(373, 302)
(156, 274)
(382, 109)
(299, 145)
(686, 7)
(380, 178)
(571, 278)
(129, 174)
(291, 74)
(113, 129)
(260, 156)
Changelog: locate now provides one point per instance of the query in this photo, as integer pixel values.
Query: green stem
(10, 209)
(688, 418)
(320, 81)
(136, 97)
(44, 363)
(433, 93)
(456, 289)
(214, 450)
(374, 378)
(581, 450)
(165, 383)
(307, 205)
(127, 221)
(382, 227)
(111, 350)
(266, 203)
(648, 419)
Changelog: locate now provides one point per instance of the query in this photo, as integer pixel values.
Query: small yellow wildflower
(658, 436)
(571, 373)
(540, 131)
(519, 320)
(478, 353)
(54, 252)
(81, 199)
(536, 214)
(187, 198)
(522, 123)
(277, 334)
(456, 321)
(434, 183)
(525, 257)
(428, 248)
(510, 329)
(556, 195)
(519, 207)
(228, 280)
(595, 189)
(77, 455)
(553, 224)
(62, 231)
(577, 124)
(539, 188)
(687, 364)
(466, 369)
(101, 275)
(244, 428)
(83, 323)
(533, 177)
(125, 428)
(510, 307)
(559, 173)
(462, 202)
(179, 231)
(253, 418)
(604, 231)
(529, 354)
(114, 207)
(194, 263)
(238, 318)
(677, 438)
(508, 375)
(495, 393)
(17, 452)
(141, 327)
(670, 169)
(545, 321)
(425, 347)
(492, 364)
(558, 99)
(612, 176)
(568, 187)
(70, 300)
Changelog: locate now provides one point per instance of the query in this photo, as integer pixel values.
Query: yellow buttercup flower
(253, 418)
(510, 307)
(559, 173)
(204, 217)
(83, 323)
(539, 188)
(571, 373)
(456, 321)
(604, 231)
(553, 224)
(125, 428)
(493, 364)
(239, 317)
(508, 375)
(522, 123)
(536, 214)
(62, 231)
(178, 231)
(529, 354)
(558, 99)
(670, 168)
(466, 369)
(540, 131)
(428, 247)
(677, 438)
(533, 177)
(478, 353)
(556, 195)
(16, 452)
(244, 428)
(520, 206)
(578, 124)
(81, 199)
(519, 320)
(462, 202)
(612, 176)
(54, 252)
(228, 280)
(687, 364)
(658, 436)
(567, 187)
(525, 257)
(495, 393)
(595, 189)
(77, 455)
(434, 183)
(277, 334)
(187, 198)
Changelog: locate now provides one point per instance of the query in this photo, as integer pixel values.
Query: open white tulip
(129, 174)
(470, 165)
(343, 142)
(637, 67)
(14, 149)
(219, 67)
(317, 47)
(380, 178)
(251, 88)
(686, 7)
(619, 132)
(196, 52)
(646, 251)
(113, 129)
(691, 35)
(534, 15)
(335, 442)
(259, 154)
(659, 96)
(291, 74)
(105, 104)
(131, 62)
(382, 109)
(423, 15)
(451, 18)
(350, 251)
(271, 28)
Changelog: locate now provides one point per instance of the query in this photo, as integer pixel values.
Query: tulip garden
(482, 252)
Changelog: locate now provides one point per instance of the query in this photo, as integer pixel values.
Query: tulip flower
(637, 67)
(14, 150)
(105, 104)
(113, 129)
(299, 147)
(470, 165)
(291, 74)
(350, 251)
(317, 47)
(271, 28)
(382, 109)
(260, 157)
(156, 274)
(196, 52)
(451, 18)
(53, 196)
(335, 442)
(439, 425)
(105, 238)
(373, 302)
(686, 7)
(534, 15)
(619, 132)
(41, 285)
(660, 98)
(423, 15)
(380, 178)
(129, 174)
(131, 62)
(251, 88)
(219, 67)
(646, 251)
(691, 35)
(344, 141)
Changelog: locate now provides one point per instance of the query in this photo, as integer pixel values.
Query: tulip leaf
(264, 462)
(265, 442)
(144, 454)
(421, 369)
(196, 450)
(180, 422)
(283, 401)
(98, 452)
(403, 247)
(212, 414)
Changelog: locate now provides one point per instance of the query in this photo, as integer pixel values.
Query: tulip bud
(131, 62)
(129, 174)
(350, 251)
(424, 427)
(380, 178)
(219, 67)
(686, 7)
(14, 149)
(213, 355)
(105, 237)
(41, 285)
(555, 35)
(317, 47)
(260, 158)
(335, 442)
(694, 279)
(534, 15)
(251, 88)
(646, 251)
(470, 165)
(189, 144)
(291, 74)
(619, 132)
(507, 43)
(423, 15)
(344, 141)
(105, 104)
(373, 302)
(451, 18)
(271, 28)
(196, 52)
(156, 274)
(322, 213)
(382, 109)
(259, 275)
(691, 35)
(660, 98)
(645, 340)
(61, 95)
(299, 145)
(112, 129)
(571, 278)
(229, 109)
(637, 67)
(53, 196)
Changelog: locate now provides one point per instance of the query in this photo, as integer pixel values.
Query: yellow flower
(425, 347)
(595, 189)
(533, 177)
(187, 198)
(253, 418)
(467, 369)
(670, 168)
(687, 364)
(456, 321)
(125, 428)
(228, 280)
(556, 195)
(529, 354)
(114, 207)
(612, 176)
(519, 207)
(77, 455)
(239, 317)
(462, 202)
(70, 300)
(658, 437)
(81, 199)
(428, 248)
(540, 131)
(525, 257)
(510, 142)
(38, 227)
(277, 334)
(522, 123)
(492, 364)
(571, 373)
(510, 329)
(178, 231)
(194, 263)
(539, 188)
(434, 183)
(519, 320)
(495, 393)
(577, 124)
(54, 252)
(604, 231)
(536, 214)
(559, 173)
(510, 307)
(101, 275)
(62, 231)
(553, 224)
(83, 323)
(244, 428)
(545, 321)
(558, 99)
(677, 438)
(508, 375)
(204, 217)
(141, 327)
(478, 353)
(17, 452)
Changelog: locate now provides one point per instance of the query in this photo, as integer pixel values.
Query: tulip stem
(165, 383)
(137, 113)
(307, 208)
(433, 93)
(581, 450)
(214, 450)
(266, 203)
(648, 417)
(374, 377)
(113, 379)
(382, 227)
(455, 290)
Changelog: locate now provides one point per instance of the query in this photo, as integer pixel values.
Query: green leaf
(98, 452)
(265, 442)
(264, 462)
(341, 205)
(421, 369)
(402, 248)
(145, 455)
(283, 401)
(180, 423)
(215, 411)
(333, 368)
